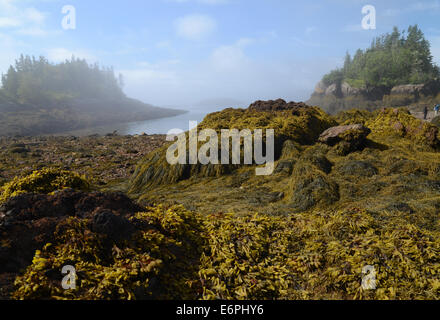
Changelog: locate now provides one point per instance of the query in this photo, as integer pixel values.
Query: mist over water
(163, 126)
(157, 126)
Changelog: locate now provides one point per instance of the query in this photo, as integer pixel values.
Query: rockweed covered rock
(348, 138)
(293, 123)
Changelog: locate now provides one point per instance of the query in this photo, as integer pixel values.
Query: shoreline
(89, 130)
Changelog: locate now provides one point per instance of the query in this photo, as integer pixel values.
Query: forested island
(39, 97)
(396, 70)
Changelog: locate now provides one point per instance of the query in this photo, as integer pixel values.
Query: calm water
(159, 126)
(164, 125)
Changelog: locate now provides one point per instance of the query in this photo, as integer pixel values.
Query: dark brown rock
(276, 105)
(29, 221)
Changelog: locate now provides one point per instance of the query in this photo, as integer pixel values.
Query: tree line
(39, 82)
(400, 57)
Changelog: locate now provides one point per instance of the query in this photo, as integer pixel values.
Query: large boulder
(346, 139)
(333, 135)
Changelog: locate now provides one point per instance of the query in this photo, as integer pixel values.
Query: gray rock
(407, 89)
(347, 90)
(332, 89)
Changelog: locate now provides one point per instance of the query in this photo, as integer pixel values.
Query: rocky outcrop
(411, 92)
(332, 90)
(408, 89)
(340, 91)
(320, 88)
(347, 90)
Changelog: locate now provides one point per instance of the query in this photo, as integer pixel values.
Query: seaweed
(159, 260)
(296, 126)
(46, 180)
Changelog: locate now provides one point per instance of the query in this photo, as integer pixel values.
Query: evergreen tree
(36, 81)
(392, 59)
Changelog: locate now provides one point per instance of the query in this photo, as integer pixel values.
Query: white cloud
(63, 54)
(32, 15)
(227, 72)
(231, 57)
(23, 20)
(37, 32)
(228, 58)
(7, 22)
(195, 27)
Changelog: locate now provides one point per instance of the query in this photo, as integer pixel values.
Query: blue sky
(182, 52)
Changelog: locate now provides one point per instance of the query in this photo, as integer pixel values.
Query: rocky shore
(339, 97)
(104, 159)
(360, 188)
